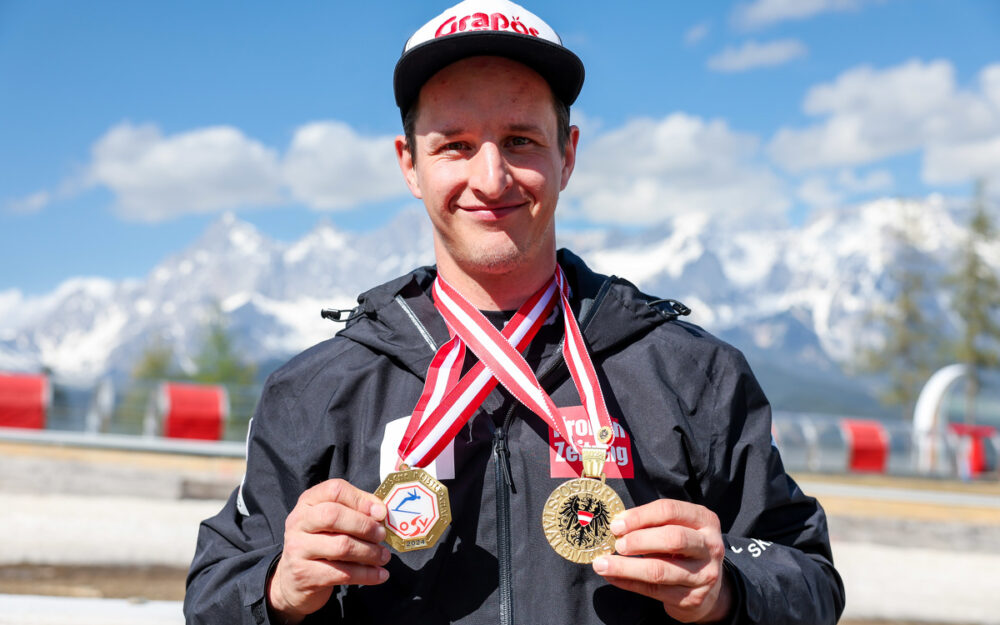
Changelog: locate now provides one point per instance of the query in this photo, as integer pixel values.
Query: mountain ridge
(793, 298)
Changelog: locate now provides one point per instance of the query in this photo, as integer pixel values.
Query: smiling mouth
(493, 213)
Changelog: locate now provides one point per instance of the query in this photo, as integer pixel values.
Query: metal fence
(135, 408)
(814, 443)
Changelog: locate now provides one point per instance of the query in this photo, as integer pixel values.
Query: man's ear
(569, 156)
(406, 165)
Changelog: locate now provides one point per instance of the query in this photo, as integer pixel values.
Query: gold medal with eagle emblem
(577, 515)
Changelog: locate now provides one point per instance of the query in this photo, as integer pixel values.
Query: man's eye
(520, 141)
(454, 145)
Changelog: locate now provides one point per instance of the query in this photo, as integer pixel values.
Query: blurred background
(184, 186)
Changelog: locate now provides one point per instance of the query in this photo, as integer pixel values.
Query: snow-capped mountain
(270, 292)
(826, 274)
(795, 299)
(798, 300)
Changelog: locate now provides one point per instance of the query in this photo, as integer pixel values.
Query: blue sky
(127, 127)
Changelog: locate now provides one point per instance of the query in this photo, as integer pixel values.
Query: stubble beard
(497, 257)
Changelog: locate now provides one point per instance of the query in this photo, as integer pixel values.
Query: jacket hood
(398, 318)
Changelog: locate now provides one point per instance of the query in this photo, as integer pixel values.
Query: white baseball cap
(486, 28)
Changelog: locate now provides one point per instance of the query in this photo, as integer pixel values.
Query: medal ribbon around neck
(448, 402)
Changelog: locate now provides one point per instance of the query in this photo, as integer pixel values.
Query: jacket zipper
(504, 480)
(504, 487)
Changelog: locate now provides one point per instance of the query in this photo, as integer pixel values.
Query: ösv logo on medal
(418, 509)
(412, 509)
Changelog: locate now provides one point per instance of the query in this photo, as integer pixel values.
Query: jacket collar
(398, 318)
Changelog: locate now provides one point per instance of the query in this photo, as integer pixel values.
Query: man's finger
(656, 571)
(341, 547)
(675, 540)
(343, 492)
(346, 573)
(664, 512)
(327, 516)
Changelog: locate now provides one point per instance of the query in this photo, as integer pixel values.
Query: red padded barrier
(976, 435)
(869, 451)
(24, 400)
(193, 411)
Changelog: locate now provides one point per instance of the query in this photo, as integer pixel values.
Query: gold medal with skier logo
(418, 509)
(577, 515)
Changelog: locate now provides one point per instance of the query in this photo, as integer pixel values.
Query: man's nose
(489, 174)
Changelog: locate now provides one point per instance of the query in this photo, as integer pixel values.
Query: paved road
(902, 581)
(912, 552)
(903, 495)
(35, 610)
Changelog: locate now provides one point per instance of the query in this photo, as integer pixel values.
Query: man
(713, 529)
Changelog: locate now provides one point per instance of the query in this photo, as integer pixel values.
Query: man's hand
(682, 549)
(332, 537)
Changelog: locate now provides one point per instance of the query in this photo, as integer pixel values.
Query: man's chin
(494, 261)
(498, 255)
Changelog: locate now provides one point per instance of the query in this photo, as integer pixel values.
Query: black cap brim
(562, 69)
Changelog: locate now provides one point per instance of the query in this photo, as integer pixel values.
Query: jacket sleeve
(778, 548)
(237, 548)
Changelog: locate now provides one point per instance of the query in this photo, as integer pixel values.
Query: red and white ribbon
(581, 369)
(448, 402)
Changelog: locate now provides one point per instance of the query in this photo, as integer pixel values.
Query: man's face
(488, 166)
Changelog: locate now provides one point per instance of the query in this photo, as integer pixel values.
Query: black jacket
(698, 426)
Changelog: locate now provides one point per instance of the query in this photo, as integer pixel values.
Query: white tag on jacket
(241, 505)
(442, 467)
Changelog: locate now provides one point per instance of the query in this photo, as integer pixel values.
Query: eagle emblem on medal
(577, 519)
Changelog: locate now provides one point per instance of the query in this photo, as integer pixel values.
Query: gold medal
(418, 509)
(577, 515)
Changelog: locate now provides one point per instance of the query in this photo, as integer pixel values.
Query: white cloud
(767, 12)
(876, 180)
(874, 114)
(820, 191)
(696, 33)
(817, 192)
(976, 158)
(330, 166)
(752, 55)
(962, 162)
(989, 81)
(29, 204)
(154, 177)
(650, 169)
